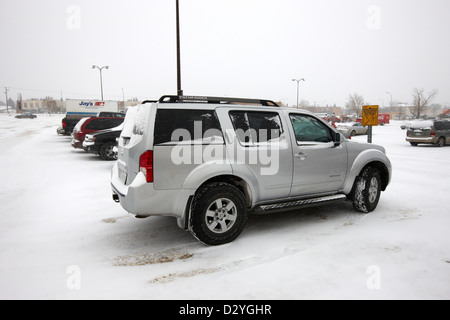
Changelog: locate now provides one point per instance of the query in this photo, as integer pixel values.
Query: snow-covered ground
(62, 236)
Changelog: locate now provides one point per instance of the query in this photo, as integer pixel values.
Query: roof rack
(149, 101)
(216, 100)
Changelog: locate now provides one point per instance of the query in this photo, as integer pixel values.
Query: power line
(6, 93)
(79, 94)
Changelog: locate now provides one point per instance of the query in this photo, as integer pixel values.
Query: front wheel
(367, 190)
(107, 151)
(218, 214)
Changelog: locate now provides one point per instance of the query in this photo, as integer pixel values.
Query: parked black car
(103, 142)
(26, 115)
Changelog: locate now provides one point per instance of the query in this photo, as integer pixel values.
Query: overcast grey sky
(248, 48)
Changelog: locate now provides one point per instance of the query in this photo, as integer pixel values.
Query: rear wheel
(219, 214)
(440, 142)
(367, 190)
(414, 144)
(353, 133)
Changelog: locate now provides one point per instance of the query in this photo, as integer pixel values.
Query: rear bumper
(77, 144)
(432, 140)
(141, 199)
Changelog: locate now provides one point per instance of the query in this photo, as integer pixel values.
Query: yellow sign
(370, 116)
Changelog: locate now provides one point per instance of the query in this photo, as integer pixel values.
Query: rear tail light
(433, 133)
(146, 165)
(64, 124)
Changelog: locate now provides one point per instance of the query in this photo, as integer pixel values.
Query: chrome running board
(301, 203)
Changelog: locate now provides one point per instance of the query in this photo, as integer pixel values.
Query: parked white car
(352, 128)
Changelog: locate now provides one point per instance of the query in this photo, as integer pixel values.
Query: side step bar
(267, 208)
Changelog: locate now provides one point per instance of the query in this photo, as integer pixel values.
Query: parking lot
(62, 236)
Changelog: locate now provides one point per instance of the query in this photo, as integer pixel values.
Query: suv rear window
(80, 124)
(178, 125)
(101, 124)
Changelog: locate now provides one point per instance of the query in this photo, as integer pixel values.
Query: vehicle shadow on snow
(85, 156)
(62, 139)
(156, 235)
(149, 235)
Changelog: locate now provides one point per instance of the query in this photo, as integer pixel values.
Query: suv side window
(99, 124)
(310, 129)
(175, 125)
(255, 127)
(447, 125)
(93, 124)
(116, 122)
(438, 125)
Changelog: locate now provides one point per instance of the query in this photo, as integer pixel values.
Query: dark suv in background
(103, 142)
(436, 132)
(91, 125)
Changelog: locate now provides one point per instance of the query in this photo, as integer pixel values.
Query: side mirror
(337, 138)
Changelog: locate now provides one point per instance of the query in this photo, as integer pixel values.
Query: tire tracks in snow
(264, 257)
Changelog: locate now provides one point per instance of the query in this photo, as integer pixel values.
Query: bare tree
(50, 104)
(421, 101)
(355, 103)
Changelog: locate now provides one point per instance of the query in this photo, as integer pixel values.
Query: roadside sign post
(370, 119)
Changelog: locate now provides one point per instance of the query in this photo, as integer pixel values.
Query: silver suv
(210, 161)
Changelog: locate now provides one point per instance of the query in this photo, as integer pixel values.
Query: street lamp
(391, 98)
(101, 81)
(298, 85)
(179, 90)
(123, 99)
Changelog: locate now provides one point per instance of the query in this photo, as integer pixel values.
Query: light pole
(101, 81)
(391, 98)
(298, 85)
(179, 90)
(6, 93)
(123, 98)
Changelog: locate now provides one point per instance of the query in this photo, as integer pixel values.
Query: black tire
(353, 133)
(218, 214)
(414, 144)
(366, 190)
(106, 151)
(440, 142)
